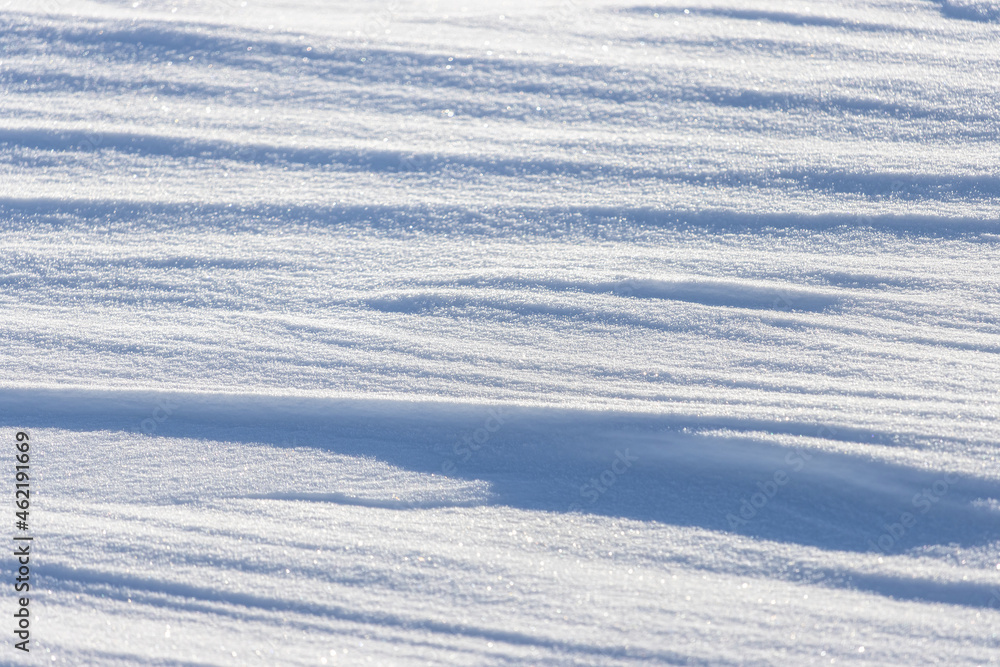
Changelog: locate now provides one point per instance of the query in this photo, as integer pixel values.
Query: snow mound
(973, 10)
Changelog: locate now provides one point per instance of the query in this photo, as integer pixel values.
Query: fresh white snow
(567, 332)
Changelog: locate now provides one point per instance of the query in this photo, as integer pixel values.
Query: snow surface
(465, 333)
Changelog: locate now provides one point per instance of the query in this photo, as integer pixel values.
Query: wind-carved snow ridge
(973, 10)
(692, 289)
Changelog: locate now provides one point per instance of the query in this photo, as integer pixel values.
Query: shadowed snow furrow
(804, 19)
(973, 10)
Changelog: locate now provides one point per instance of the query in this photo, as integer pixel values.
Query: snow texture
(558, 333)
